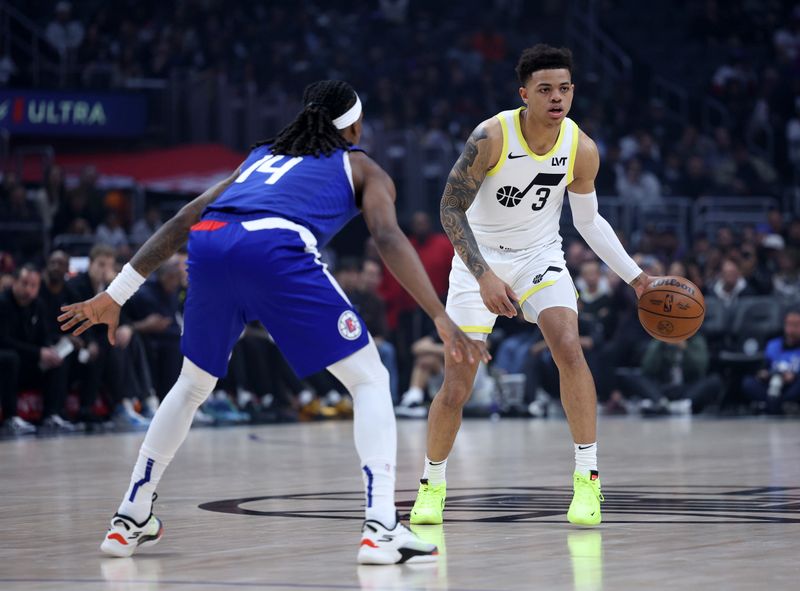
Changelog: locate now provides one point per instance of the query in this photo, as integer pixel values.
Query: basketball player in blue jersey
(253, 255)
(501, 209)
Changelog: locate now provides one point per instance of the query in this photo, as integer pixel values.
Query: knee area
(194, 384)
(567, 352)
(454, 396)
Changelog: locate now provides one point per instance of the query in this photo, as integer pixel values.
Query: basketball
(508, 196)
(672, 309)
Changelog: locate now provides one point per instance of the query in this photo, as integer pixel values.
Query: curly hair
(313, 133)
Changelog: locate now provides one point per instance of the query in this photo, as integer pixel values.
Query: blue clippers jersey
(314, 192)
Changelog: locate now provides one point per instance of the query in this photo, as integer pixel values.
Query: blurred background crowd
(697, 119)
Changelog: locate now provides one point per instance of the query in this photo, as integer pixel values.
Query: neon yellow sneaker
(429, 506)
(585, 506)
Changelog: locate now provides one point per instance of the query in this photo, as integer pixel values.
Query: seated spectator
(786, 282)
(64, 33)
(778, 383)
(155, 311)
(428, 355)
(121, 369)
(74, 216)
(731, 285)
(17, 208)
(595, 293)
(675, 378)
(639, 187)
(53, 194)
(435, 251)
(112, 233)
(39, 364)
(147, 226)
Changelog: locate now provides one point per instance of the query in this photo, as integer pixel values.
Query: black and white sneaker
(125, 536)
(380, 545)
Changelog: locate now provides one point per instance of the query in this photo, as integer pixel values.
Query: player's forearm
(600, 236)
(462, 186)
(403, 261)
(456, 226)
(175, 232)
(163, 244)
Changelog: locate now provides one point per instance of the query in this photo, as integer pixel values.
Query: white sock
(168, 429)
(374, 429)
(434, 471)
(585, 458)
(379, 478)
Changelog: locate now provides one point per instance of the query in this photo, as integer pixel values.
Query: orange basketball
(672, 309)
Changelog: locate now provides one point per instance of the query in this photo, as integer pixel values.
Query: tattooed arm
(175, 233)
(481, 152)
(102, 309)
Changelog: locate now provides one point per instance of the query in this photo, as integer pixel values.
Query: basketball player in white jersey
(501, 209)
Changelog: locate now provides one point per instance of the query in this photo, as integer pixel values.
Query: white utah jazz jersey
(518, 206)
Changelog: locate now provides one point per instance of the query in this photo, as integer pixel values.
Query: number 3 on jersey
(267, 165)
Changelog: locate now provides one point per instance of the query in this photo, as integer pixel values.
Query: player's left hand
(457, 344)
(641, 283)
(101, 309)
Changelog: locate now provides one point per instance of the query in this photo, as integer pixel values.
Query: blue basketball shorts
(269, 270)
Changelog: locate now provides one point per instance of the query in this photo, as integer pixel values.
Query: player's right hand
(101, 309)
(497, 295)
(457, 344)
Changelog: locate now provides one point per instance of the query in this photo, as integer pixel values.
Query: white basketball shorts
(540, 280)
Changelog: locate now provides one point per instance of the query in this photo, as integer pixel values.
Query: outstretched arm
(462, 186)
(597, 232)
(175, 233)
(378, 195)
(103, 308)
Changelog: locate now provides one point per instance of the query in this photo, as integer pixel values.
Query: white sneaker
(19, 426)
(201, 418)
(380, 545)
(412, 405)
(127, 417)
(125, 535)
(59, 424)
(151, 404)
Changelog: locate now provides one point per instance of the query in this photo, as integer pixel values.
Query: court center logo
(712, 504)
(349, 325)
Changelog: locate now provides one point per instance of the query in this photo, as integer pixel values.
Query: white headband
(349, 117)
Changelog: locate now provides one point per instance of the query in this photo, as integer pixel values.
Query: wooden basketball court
(690, 504)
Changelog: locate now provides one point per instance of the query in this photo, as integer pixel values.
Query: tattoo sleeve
(462, 185)
(175, 232)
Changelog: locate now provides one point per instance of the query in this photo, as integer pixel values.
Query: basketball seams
(670, 315)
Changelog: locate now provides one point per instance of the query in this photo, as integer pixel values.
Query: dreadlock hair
(313, 133)
(542, 57)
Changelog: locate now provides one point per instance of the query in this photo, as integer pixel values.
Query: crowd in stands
(417, 66)
(423, 66)
(634, 373)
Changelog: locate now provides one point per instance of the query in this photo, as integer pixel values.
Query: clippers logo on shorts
(349, 325)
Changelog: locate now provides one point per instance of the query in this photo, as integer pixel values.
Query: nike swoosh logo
(585, 446)
(512, 156)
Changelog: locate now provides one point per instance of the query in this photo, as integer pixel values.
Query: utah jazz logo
(668, 302)
(511, 196)
(556, 161)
